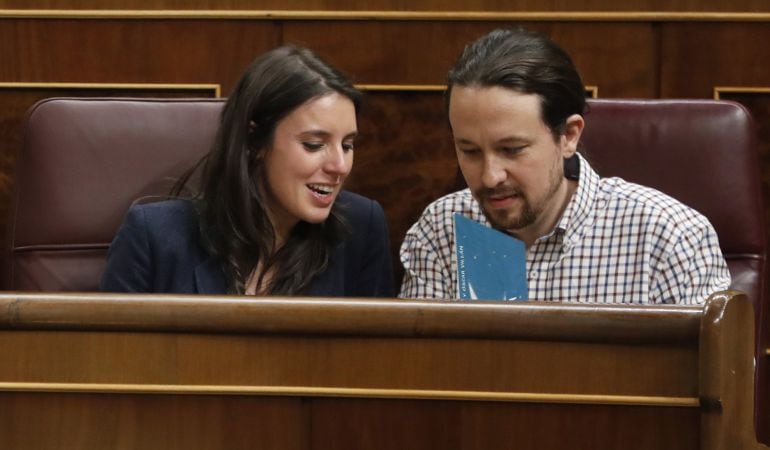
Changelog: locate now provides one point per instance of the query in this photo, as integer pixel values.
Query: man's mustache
(500, 191)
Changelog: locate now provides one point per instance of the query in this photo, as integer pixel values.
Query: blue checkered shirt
(617, 242)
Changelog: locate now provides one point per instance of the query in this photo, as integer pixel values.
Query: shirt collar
(580, 205)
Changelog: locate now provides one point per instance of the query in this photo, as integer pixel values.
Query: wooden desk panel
(32, 421)
(358, 424)
(184, 372)
(182, 360)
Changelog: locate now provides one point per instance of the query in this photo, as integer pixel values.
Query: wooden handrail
(378, 317)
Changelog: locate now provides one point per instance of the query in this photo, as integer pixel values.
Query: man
(516, 104)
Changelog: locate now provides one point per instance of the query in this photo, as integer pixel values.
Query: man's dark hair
(527, 62)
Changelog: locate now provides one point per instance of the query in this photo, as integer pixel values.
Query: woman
(271, 217)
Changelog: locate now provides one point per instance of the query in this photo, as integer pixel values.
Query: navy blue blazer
(157, 249)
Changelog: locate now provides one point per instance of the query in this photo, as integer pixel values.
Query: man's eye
(312, 146)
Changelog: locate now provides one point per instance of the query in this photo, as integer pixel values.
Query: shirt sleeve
(129, 264)
(426, 257)
(692, 270)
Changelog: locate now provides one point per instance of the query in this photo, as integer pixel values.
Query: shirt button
(533, 274)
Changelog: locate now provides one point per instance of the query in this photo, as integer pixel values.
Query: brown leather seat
(701, 152)
(84, 161)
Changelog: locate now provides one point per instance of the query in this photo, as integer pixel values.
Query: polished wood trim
(402, 87)
(719, 90)
(349, 316)
(592, 91)
(308, 391)
(502, 16)
(214, 87)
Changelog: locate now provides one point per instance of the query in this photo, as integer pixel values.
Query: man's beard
(530, 211)
(501, 219)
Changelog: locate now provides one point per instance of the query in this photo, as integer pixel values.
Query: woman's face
(308, 161)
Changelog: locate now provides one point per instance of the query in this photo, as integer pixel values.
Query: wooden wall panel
(697, 57)
(126, 51)
(386, 52)
(405, 157)
(619, 58)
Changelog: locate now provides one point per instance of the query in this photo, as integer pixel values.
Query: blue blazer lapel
(209, 278)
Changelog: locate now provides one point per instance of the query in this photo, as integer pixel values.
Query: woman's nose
(339, 160)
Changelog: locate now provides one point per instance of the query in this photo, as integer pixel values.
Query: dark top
(157, 249)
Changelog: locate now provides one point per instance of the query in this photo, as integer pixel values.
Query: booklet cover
(490, 265)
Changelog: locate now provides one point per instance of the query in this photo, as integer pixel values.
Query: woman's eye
(513, 150)
(469, 151)
(312, 146)
(348, 146)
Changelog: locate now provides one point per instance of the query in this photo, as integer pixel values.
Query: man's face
(510, 159)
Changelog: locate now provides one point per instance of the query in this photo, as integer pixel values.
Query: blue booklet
(490, 265)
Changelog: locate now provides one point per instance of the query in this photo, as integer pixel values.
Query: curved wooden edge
(727, 371)
(364, 317)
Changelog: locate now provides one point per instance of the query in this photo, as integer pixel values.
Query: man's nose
(493, 172)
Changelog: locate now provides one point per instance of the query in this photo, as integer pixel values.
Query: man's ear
(573, 129)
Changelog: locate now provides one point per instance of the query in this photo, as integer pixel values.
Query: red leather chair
(83, 162)
(701, 152)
